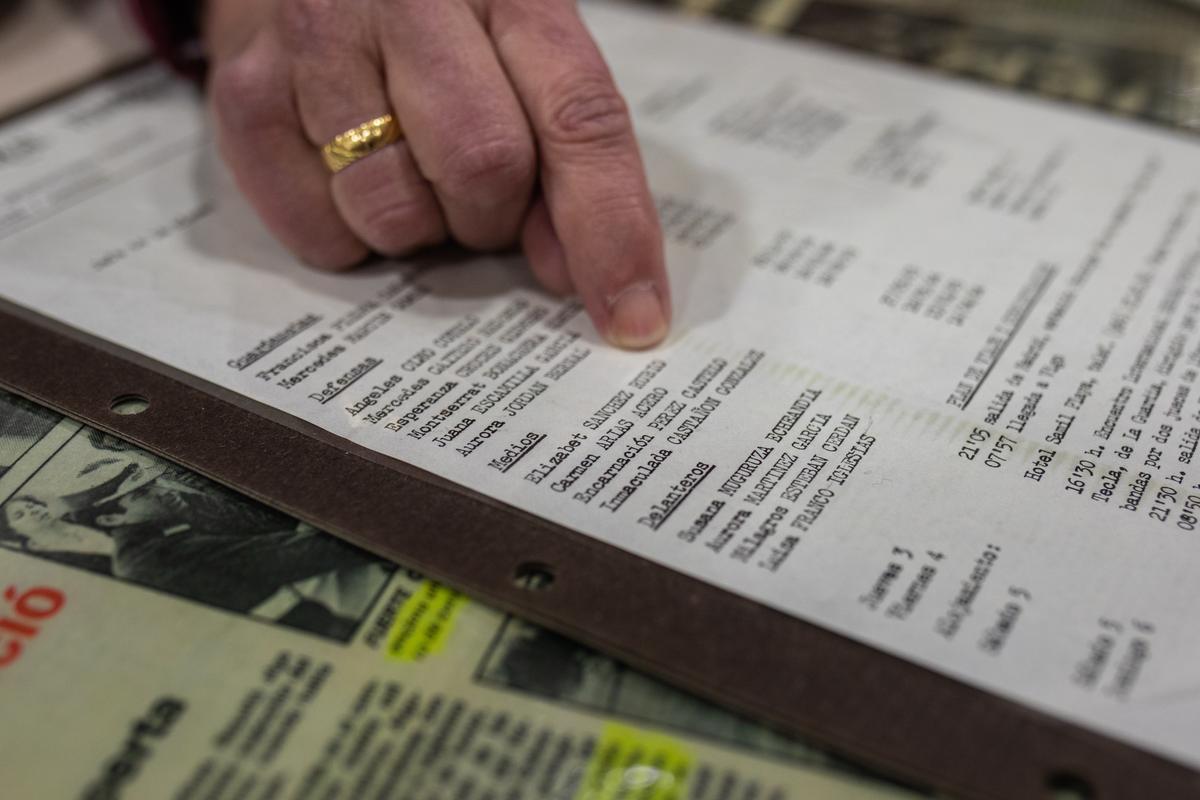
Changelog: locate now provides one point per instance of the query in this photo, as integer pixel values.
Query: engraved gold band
(360, 142)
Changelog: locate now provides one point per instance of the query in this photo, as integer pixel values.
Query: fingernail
(636, 317)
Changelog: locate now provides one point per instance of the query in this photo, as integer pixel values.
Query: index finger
(591, 171)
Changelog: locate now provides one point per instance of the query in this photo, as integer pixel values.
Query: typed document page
(932, 381)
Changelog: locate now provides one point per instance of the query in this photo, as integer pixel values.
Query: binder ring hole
(129, 404)
(534, 576)
(1065, 785)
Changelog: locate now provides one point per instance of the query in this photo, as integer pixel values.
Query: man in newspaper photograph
(22, 424)
(105, 506)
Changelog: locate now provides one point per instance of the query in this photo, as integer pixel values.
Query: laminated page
(931, 383)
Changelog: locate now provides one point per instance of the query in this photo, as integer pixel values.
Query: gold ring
(360, 142)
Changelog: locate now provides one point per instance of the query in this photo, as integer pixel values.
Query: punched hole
(534, 576)
(129, 404)
(1068, 786)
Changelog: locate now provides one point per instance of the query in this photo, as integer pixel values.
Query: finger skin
(545, 252)
(465, 126)
(386, 201)
(591, 171)
(230, 25)
(339, 84)
(275, 166)
(467, 108)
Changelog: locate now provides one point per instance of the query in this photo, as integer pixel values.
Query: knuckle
(588, 111)
(398, 224)
(390, 209)
(245, 93)
(502, 164)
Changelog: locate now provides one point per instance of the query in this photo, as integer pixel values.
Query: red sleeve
(173, 26)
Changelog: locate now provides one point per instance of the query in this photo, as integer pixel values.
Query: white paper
(932, 380)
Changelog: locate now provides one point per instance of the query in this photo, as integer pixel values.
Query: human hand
(513, 131)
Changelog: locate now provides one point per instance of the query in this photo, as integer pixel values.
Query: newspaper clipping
(164, 637)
